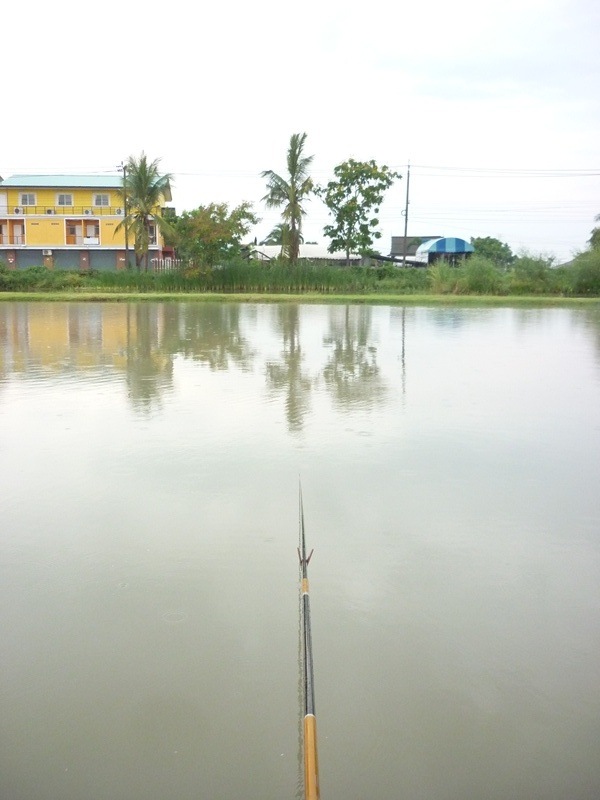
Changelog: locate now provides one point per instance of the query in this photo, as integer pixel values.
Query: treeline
(477, 275)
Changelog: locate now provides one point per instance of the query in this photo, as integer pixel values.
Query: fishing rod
(311, 761)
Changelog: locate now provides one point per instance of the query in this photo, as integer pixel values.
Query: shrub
(585, 273)
(531, 274)
(479, 275)
(442, 278)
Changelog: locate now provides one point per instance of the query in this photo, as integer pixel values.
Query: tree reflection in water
(148, 366)
(351, 373)
(208, 332)
(286, 376)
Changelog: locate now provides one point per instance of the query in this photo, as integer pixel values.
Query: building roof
(63, 182)
(308, 251)
(445, 244)
(412, 243)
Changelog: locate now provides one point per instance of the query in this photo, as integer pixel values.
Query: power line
(440, 171)
(503, 172)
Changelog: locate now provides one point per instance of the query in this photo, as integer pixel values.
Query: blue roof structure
(446, 244)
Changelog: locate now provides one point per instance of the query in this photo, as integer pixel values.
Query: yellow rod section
(311, 761)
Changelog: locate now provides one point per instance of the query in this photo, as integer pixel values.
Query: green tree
(291, 192)
(210, 234)
(594, 240)
(353, 199)
(281, 235)
(493, 249)
(278, 235)
(144, 189)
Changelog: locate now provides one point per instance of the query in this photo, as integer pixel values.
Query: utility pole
(123, 168)
(405, 212)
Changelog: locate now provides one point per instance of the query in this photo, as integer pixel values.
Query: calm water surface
(149, 463)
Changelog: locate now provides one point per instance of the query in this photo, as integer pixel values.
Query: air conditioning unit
(18, 210)
(119, 212)
(50, 211)
(46, 252)
(88, 211)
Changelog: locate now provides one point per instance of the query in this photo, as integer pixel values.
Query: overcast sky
(496, 105)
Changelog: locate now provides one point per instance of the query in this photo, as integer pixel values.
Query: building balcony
(81, 241)
(63, 211)
(14, 240)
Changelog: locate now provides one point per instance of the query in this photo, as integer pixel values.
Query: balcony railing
(7, 239)
(62, 211)
(81, 240)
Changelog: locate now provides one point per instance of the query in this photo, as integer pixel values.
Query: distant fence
(166, 264)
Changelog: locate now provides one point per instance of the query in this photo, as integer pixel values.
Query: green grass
(530, 280)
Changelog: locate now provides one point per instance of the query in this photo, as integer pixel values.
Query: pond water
(450, 467)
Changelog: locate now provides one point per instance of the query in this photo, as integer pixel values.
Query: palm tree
(144, 188)
(281, 235)
(292, 192)
(278, 235)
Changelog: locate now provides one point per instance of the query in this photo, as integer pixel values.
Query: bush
(442, 278)
(531, 275)
(478, 275)
(585, 273)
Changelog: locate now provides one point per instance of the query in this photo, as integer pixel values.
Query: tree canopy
(594, 240)
(353, 199)
(494, 250)
(212, 233)
(290, 192)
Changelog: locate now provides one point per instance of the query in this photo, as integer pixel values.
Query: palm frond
(291, 193)
(144, 189)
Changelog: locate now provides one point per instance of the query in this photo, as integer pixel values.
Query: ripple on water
(174, 617)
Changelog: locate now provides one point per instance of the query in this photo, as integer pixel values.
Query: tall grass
(529, 275)
(476, 275)
(238, 276)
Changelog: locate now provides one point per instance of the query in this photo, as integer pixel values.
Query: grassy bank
(245, 297)
(528, 280)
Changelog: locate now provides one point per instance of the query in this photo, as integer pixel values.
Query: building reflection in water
(138, 342)
(47, 339)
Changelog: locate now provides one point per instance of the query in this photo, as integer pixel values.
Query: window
(101, 200)
(27, 199)
(151, 233)
(64, 199)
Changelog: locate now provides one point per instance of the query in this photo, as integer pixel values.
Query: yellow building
(67, 222)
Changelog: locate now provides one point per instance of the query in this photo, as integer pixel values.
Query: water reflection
(148, 561)
(209, 333)
(351, 372)
(295, 348)
(139, 342)
(148, 366)
(286, 376)
(589, 319)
